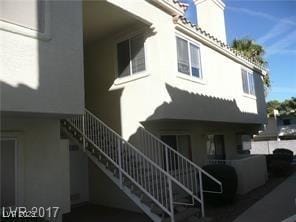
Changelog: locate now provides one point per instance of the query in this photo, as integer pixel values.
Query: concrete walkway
(275, 206)
(97, 213)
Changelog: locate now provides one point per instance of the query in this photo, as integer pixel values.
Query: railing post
(170, 186)
(83, 132)
(166, 159)
(119, 161)
(201, 194)
(171, 200)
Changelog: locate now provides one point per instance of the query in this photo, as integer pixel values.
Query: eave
(183, 25)
(173, 7)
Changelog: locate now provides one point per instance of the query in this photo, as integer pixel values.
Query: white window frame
(249, 73)
(132, 75)
(25, 31)
(186, 76)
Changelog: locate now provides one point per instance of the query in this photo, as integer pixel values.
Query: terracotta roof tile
(182, 5)
(217, 41)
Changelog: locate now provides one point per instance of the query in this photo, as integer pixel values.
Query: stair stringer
(115, 180)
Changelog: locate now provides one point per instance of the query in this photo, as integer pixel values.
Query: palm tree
(250, 49)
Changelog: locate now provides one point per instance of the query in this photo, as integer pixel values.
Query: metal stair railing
(130, 162)
(120, 153)
(140, 169)
(177, 165)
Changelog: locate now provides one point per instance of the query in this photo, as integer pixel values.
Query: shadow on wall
(10, 94)
(103, 96)
(57, 67)
(211, 111)
(191, 106)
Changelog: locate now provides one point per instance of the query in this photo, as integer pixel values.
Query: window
(131, 56)
(29, 14)
(248, 82)
(216, 147)
(188, 58)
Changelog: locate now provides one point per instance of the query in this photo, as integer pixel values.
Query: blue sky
(271, 24)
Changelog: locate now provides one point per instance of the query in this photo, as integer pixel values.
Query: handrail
(179, 154)
(95, 132)
(130, 161)
(153, 147)
(132, 164)
(141, 153)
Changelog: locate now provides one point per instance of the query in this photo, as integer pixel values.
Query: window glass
(251, 84)
(138, 54)
(123, 58)
(245, 81)
(29, 14)
(194, 53)
(188, 58)
(131, 56)
(215, 147)
(248, 82)
(183, 57)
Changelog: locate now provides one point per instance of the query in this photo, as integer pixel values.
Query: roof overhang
(173, 7)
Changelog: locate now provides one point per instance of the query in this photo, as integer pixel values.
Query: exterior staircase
(162, 189)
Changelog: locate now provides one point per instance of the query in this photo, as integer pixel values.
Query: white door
(8, 172)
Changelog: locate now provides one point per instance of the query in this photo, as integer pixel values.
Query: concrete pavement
(276, 206)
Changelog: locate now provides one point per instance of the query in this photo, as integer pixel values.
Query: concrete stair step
(193, 219)
(185, 214)
(155, 182)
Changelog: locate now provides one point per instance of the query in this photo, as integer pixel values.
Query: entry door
(8, 172)
(180, 143)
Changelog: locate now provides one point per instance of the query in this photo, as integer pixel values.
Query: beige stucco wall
(160, 92)
(198, 132)
(42, 162)
(210, 17)
(268, 146)
(104, 192)
(42, 72)
(251, 173)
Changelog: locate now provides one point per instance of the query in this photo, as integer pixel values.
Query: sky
(271, 23)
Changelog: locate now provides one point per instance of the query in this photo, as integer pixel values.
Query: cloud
(279, 29)
(282, 34)
(282, 46)
(250, 12)
(263, 15)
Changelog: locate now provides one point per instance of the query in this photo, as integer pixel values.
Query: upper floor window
(28, 14)
(188, 58)
(131, 56)
(248, 82)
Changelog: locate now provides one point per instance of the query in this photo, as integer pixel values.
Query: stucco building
(171, 95)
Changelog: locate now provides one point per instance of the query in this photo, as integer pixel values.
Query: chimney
(210, 17)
